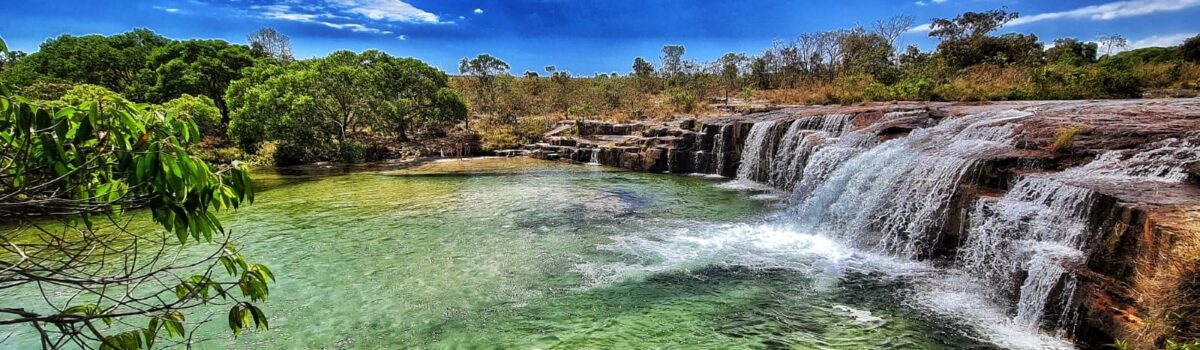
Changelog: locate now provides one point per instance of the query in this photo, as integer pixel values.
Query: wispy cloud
(286, 13)
(1102, 12)
(167, 9)
(478, 11)
(1160, 40)
(1112, 10)
(387, 10)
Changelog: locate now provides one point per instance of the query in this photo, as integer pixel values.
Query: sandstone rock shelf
(1127, 173)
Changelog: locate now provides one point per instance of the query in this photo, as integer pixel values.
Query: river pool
(519, 253)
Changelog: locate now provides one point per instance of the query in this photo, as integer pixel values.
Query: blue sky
(584, 37)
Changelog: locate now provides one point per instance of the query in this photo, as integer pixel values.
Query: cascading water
(718, 149)
(894, 196)
(595, 157)
(754, 160)
(797, 145)
(1041, 226)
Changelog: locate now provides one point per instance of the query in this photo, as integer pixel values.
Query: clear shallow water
(519, 253)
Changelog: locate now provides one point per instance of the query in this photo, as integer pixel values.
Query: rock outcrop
(1126, 173)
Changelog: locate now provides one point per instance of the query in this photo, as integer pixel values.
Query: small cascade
(595, 157)
(798, 144)
(832, 124)
(718, 149)
(756, 152)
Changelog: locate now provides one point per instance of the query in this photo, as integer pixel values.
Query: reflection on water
(518, 253)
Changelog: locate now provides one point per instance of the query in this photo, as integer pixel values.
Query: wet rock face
(1136, 161)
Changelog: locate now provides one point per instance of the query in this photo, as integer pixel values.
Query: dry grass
(986, 83)
(1167, 286)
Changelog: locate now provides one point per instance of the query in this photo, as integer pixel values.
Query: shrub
(296, 153)
(351, 152)
(1063, 140)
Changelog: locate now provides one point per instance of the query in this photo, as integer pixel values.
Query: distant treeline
(851, 65)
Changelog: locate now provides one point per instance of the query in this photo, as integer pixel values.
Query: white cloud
(920, 3)
(1102, 12)
(939, 1)
(167, 9)
(478, 11)
(462, 17)
(402, 37)
(388, 10)
(354, 27)
(1166, 40)
(1112, 10)
(924, 28)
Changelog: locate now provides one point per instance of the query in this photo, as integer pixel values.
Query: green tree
(316, 108)
(1072, 52)
(672, 67)
(485, 69)
(1190, 50)
(965, 40)
(731, 65)
(67, 177)
(409, 91)
(201, 110)
(116, 62)
(643, 71)
(198, 67)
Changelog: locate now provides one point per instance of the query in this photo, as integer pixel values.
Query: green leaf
(173, 323)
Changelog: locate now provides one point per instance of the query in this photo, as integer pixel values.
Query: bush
(351, 152)
(1063, 140)
(200, 109)
(1190, 50)
(296, 153)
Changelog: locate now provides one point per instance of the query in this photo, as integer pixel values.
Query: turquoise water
(519, 253)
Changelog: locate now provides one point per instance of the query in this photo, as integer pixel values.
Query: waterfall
(595, 157)
(753, 157)
(718, 149)
(894, 196)
(797, 145)
(1041, 226)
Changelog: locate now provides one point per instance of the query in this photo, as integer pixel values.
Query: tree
(315, 108)
(409, 90)
(891, 29)
(267, 42)
(731, 71)
(69, 174)
(485, 69)
(201, 110)
(1072, 52)
(1190, 50)
(867, 53)
(965, 40)
(643, 72)
(198, 67)
(970, 25)
(116, 62)
(1112, 41)
(672, 63)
